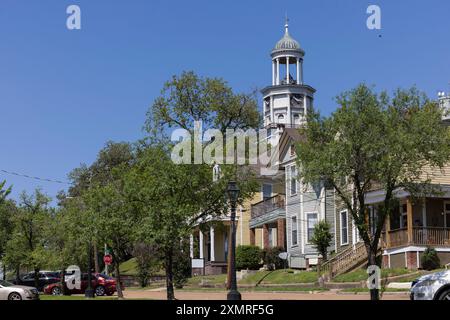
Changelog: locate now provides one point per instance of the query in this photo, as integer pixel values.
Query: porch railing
(432, 236)
(398, 237)
(268, 205)
(345, 260)
(425, 236)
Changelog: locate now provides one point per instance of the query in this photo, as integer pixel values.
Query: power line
(34, 177)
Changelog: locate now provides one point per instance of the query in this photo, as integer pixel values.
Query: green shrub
(248, 257)
(430, 259)
(271, 258)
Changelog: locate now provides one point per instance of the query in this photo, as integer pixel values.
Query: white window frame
(293, 168)
(294, 223)
(307, 223)
(340, 227)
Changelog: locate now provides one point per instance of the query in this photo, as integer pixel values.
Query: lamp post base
(89, 293)
(234, 295)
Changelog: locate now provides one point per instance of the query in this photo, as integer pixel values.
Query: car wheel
(100, 291)
(445, 295)
(14, 296)
(56, 291)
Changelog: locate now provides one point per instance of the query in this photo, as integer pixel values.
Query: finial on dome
(286, 25)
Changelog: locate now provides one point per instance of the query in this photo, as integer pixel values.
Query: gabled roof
(288, 137)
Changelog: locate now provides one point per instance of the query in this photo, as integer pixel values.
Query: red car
(102, 284)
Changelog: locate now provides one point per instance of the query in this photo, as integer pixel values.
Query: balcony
(420, 236)
(268, 210)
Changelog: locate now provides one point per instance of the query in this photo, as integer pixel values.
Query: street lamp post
(89, 293)
(233, 193)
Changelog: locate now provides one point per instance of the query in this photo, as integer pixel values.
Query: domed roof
(287, 42)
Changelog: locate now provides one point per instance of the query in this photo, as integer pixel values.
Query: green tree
(27, 246)
(370, 140)
(5, 222)
(172, 199)
(147, 261)
(188, 98)
(7, 209)
(111, 156)
(321, 238)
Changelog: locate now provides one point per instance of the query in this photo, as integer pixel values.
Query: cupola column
(287, 70)
(273, 72)
(278, 72)
(298, 71)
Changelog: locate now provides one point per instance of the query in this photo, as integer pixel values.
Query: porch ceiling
(377, 196)
(270, 217)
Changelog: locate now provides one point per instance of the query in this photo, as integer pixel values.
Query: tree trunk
(4, 271)
(169, 276)
(18, 274)
(118, 285)
(63, 284)
(96, 265)
(372, 260)
(36, 278)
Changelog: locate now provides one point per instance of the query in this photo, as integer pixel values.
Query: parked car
(102, 284)
(45, 278)
(435, 286)
(9, 291)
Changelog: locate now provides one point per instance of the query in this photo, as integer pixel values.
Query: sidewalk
(160, 294)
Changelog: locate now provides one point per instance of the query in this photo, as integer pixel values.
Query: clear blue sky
(64, 93)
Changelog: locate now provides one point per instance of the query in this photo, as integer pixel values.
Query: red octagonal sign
(107, 259)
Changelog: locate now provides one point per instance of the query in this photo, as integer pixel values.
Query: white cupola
(287, 100)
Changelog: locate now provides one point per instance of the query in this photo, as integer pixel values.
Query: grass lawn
(129, 267)
(361, 275)
(212, 280)
(281, 277)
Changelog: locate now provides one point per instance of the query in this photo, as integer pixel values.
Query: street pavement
(160, 294)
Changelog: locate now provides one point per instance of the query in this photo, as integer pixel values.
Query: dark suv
(45, 278)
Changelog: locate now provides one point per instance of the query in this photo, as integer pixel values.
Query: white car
(9, 291)
(435, 286)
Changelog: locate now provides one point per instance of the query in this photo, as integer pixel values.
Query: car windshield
(4, 283)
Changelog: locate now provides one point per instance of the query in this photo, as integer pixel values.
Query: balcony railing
(423, 236)
(431, 236)
(266, 206)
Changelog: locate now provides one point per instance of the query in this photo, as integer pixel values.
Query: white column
(298, 71)
(289, 110)
(211, 240)
(240, 221)
(301, 72)
(273, 72)
(191, 246)
(278, 72)
(305, 101)
(287, 69)
(272, 115)
(201, 243)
